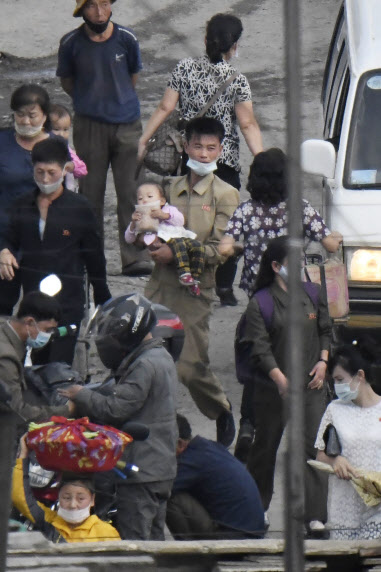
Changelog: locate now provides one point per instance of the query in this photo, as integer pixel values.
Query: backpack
(242, 348)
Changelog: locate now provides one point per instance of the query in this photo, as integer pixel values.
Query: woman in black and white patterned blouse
(193, 83)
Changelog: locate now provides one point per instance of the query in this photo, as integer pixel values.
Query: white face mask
(50, 189)
(344, 391)
(201, 169)
(74, 516)
(283, 273)
(28, 130)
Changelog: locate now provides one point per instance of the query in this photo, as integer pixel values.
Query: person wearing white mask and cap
(207, 203)
(56, 232)
(73, 521)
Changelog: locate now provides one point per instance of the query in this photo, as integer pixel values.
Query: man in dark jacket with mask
(56, 232)
(145, 392)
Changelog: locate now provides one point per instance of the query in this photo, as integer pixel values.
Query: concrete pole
(7, 449)
(294, 465)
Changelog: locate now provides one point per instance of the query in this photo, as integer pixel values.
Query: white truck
(349, 157)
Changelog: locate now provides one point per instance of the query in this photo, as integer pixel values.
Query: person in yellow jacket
(72, 522)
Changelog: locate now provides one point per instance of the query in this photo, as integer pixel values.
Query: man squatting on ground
(207, 203)
(213, 495)
(146, 380)
(107, 123)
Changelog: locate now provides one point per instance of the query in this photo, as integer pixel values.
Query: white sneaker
(266, 521)
(317, 526)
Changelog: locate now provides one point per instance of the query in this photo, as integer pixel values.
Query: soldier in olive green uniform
(207, 204)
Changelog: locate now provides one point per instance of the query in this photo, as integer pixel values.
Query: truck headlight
(363, 265)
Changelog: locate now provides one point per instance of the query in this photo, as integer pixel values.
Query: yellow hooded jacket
(54, 527)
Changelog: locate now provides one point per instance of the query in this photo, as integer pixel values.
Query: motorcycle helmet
(120, 325)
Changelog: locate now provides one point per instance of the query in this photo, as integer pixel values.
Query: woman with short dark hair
(30, 106)
(264, 216)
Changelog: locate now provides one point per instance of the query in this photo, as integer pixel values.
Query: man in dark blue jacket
(213, 495)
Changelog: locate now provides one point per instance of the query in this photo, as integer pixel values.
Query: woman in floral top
(193, 83)
(259, 220)
(264, 216)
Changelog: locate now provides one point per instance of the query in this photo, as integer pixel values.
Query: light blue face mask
(40, 341)
(345, 393)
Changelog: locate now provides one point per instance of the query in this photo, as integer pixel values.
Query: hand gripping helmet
(121, 324)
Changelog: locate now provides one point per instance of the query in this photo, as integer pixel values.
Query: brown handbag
(165, 148)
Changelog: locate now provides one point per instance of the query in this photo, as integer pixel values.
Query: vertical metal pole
(294, 466)
(7, 448)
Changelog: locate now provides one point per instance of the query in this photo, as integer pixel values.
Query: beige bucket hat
(80, 4)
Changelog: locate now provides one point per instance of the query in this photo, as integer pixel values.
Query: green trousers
(101, 145)
(193, 367)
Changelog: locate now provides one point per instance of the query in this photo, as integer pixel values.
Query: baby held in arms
(156, 222)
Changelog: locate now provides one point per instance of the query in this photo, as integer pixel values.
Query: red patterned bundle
(76, 445)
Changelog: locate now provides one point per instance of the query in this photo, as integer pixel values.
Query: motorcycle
(43, 381)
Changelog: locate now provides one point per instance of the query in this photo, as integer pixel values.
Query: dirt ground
(169, 30)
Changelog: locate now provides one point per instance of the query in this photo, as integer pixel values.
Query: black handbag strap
(201, 113)
(219, 92)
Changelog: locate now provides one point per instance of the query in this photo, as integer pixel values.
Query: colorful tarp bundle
(76, 445)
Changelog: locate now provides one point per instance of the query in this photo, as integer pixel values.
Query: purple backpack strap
(266, 301)
(313, 291)
(266, 305)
